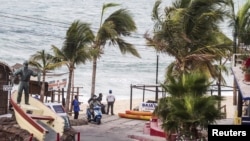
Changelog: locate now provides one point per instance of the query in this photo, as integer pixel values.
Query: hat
(110, 91)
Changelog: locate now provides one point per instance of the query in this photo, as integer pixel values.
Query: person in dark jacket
(99, 98)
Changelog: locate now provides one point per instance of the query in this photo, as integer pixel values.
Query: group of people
(25, 73)
(94, 100)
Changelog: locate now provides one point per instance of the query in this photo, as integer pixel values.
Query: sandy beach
(121, 106)
(230, 108)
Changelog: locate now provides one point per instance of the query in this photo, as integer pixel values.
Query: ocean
(28, 26)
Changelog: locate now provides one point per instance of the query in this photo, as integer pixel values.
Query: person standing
(99, 98)
(110, 100)
(76, 107)
(102, 105)
(24, 74)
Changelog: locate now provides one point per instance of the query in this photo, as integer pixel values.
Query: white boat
(37, 118)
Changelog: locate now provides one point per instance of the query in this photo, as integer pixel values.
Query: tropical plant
(44, 62)
(113, 29)
(189, 32)
(240, 21)
(233, 22)
(187, 107)
(246, 66)
(76, 50)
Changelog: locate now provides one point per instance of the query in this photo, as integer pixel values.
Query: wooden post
(239, 109)
(143, 96)
(63, 99)
(77, 91)
(70, 101)
(59, 96)
(131, 95)
(234, 93)
(53, 96)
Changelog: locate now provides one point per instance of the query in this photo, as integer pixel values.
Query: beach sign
(57, 84)
(149, 107)
(7, 87)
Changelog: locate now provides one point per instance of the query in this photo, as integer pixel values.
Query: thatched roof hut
(5, 72)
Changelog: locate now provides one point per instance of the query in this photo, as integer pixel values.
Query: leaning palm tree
(187, 106)
(117, 25)
(189, 32)
(44, 62)
(75, 51)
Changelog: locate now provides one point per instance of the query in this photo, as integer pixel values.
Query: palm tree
(241, 30)
(117, 25)
(75, 51)
(187, 106)
(239, 22)
(189, 32)
(233, 22)
(242, 24)
(44, 62)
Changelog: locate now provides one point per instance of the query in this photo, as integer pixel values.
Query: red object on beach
(31, 137)
(155, 129)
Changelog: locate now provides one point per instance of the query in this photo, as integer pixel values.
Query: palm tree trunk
(219, 87)
(93, 76)
(42, 89)
(68, 91)
(235, 35)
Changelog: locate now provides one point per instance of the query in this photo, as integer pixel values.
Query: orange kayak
(141, 117)
(139, 113)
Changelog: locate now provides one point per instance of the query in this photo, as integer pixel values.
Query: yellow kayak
(139, 113)
(141, 117)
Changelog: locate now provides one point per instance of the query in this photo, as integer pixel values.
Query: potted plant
(246, 69)
(242, 58)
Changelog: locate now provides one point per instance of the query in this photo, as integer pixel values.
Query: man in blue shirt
(76, 107)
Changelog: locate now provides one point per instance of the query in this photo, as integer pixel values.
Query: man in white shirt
(110, 100)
